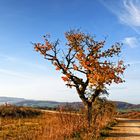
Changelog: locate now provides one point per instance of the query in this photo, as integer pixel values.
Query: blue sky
(24, 73)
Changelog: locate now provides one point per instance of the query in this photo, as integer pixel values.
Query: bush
(18, 112)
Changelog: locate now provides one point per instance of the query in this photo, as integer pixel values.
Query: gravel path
(127, 129)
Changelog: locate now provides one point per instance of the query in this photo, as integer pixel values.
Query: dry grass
(49, 126)
(18, 112)
(61, 125)
(131, 115)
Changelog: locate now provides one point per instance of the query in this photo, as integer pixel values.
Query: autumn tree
(85, 64)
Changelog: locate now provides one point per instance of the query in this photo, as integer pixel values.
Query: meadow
(56, 125)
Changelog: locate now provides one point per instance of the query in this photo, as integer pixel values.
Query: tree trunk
(89, 114)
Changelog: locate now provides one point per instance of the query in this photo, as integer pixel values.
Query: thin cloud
(118, 88)
(134, 62)
(131, 13)
(127, 11)
(13, 73)
(16, 60)
(8, 58)
(131, 42)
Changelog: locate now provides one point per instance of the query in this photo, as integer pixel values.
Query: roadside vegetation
(60, 125)
(12, 111)
(131, 114)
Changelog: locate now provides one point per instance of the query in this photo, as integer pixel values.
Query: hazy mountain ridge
(10, 100)
(125, 105)
(38, 103)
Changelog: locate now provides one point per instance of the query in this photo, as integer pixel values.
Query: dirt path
(127, 129)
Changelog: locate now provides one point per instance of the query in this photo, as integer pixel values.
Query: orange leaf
(65, 78)
(75, 67)
(57, 68)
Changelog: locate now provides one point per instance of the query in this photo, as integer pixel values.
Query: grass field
(23, 123)
(129, 114)
(46, 126)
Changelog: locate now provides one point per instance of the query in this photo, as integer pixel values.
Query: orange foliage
(57, 68)
(75, 67)
(87, 56)
(65, 78)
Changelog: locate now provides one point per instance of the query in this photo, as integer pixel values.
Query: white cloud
(38, 87)
(31, 80)
(21, 62)
(131, 42)
(134, 62)
(130, 13)
(127, 11)
(8, 58)
(13, 73)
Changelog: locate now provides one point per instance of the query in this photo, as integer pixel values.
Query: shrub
(18, 112)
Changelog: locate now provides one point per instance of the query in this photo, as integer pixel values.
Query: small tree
(85, 65)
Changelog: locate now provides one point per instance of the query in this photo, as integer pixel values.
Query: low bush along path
(127, 129)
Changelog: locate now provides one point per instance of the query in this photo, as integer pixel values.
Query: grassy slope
(51, 126)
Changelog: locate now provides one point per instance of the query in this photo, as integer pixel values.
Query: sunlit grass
(58, 125)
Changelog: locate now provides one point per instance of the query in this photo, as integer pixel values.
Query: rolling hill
(53, 104)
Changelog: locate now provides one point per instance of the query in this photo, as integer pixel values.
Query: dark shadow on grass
(129, 121)
(124, 135)
(128, 126)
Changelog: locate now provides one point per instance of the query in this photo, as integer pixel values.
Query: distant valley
(53, 104)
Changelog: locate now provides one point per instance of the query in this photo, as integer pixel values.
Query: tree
(85, 64)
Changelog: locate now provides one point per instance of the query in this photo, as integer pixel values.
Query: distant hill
(26, 102)
(35, 103)
(125, 105)
(52, 104)
(10, 100)
(49, 104)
